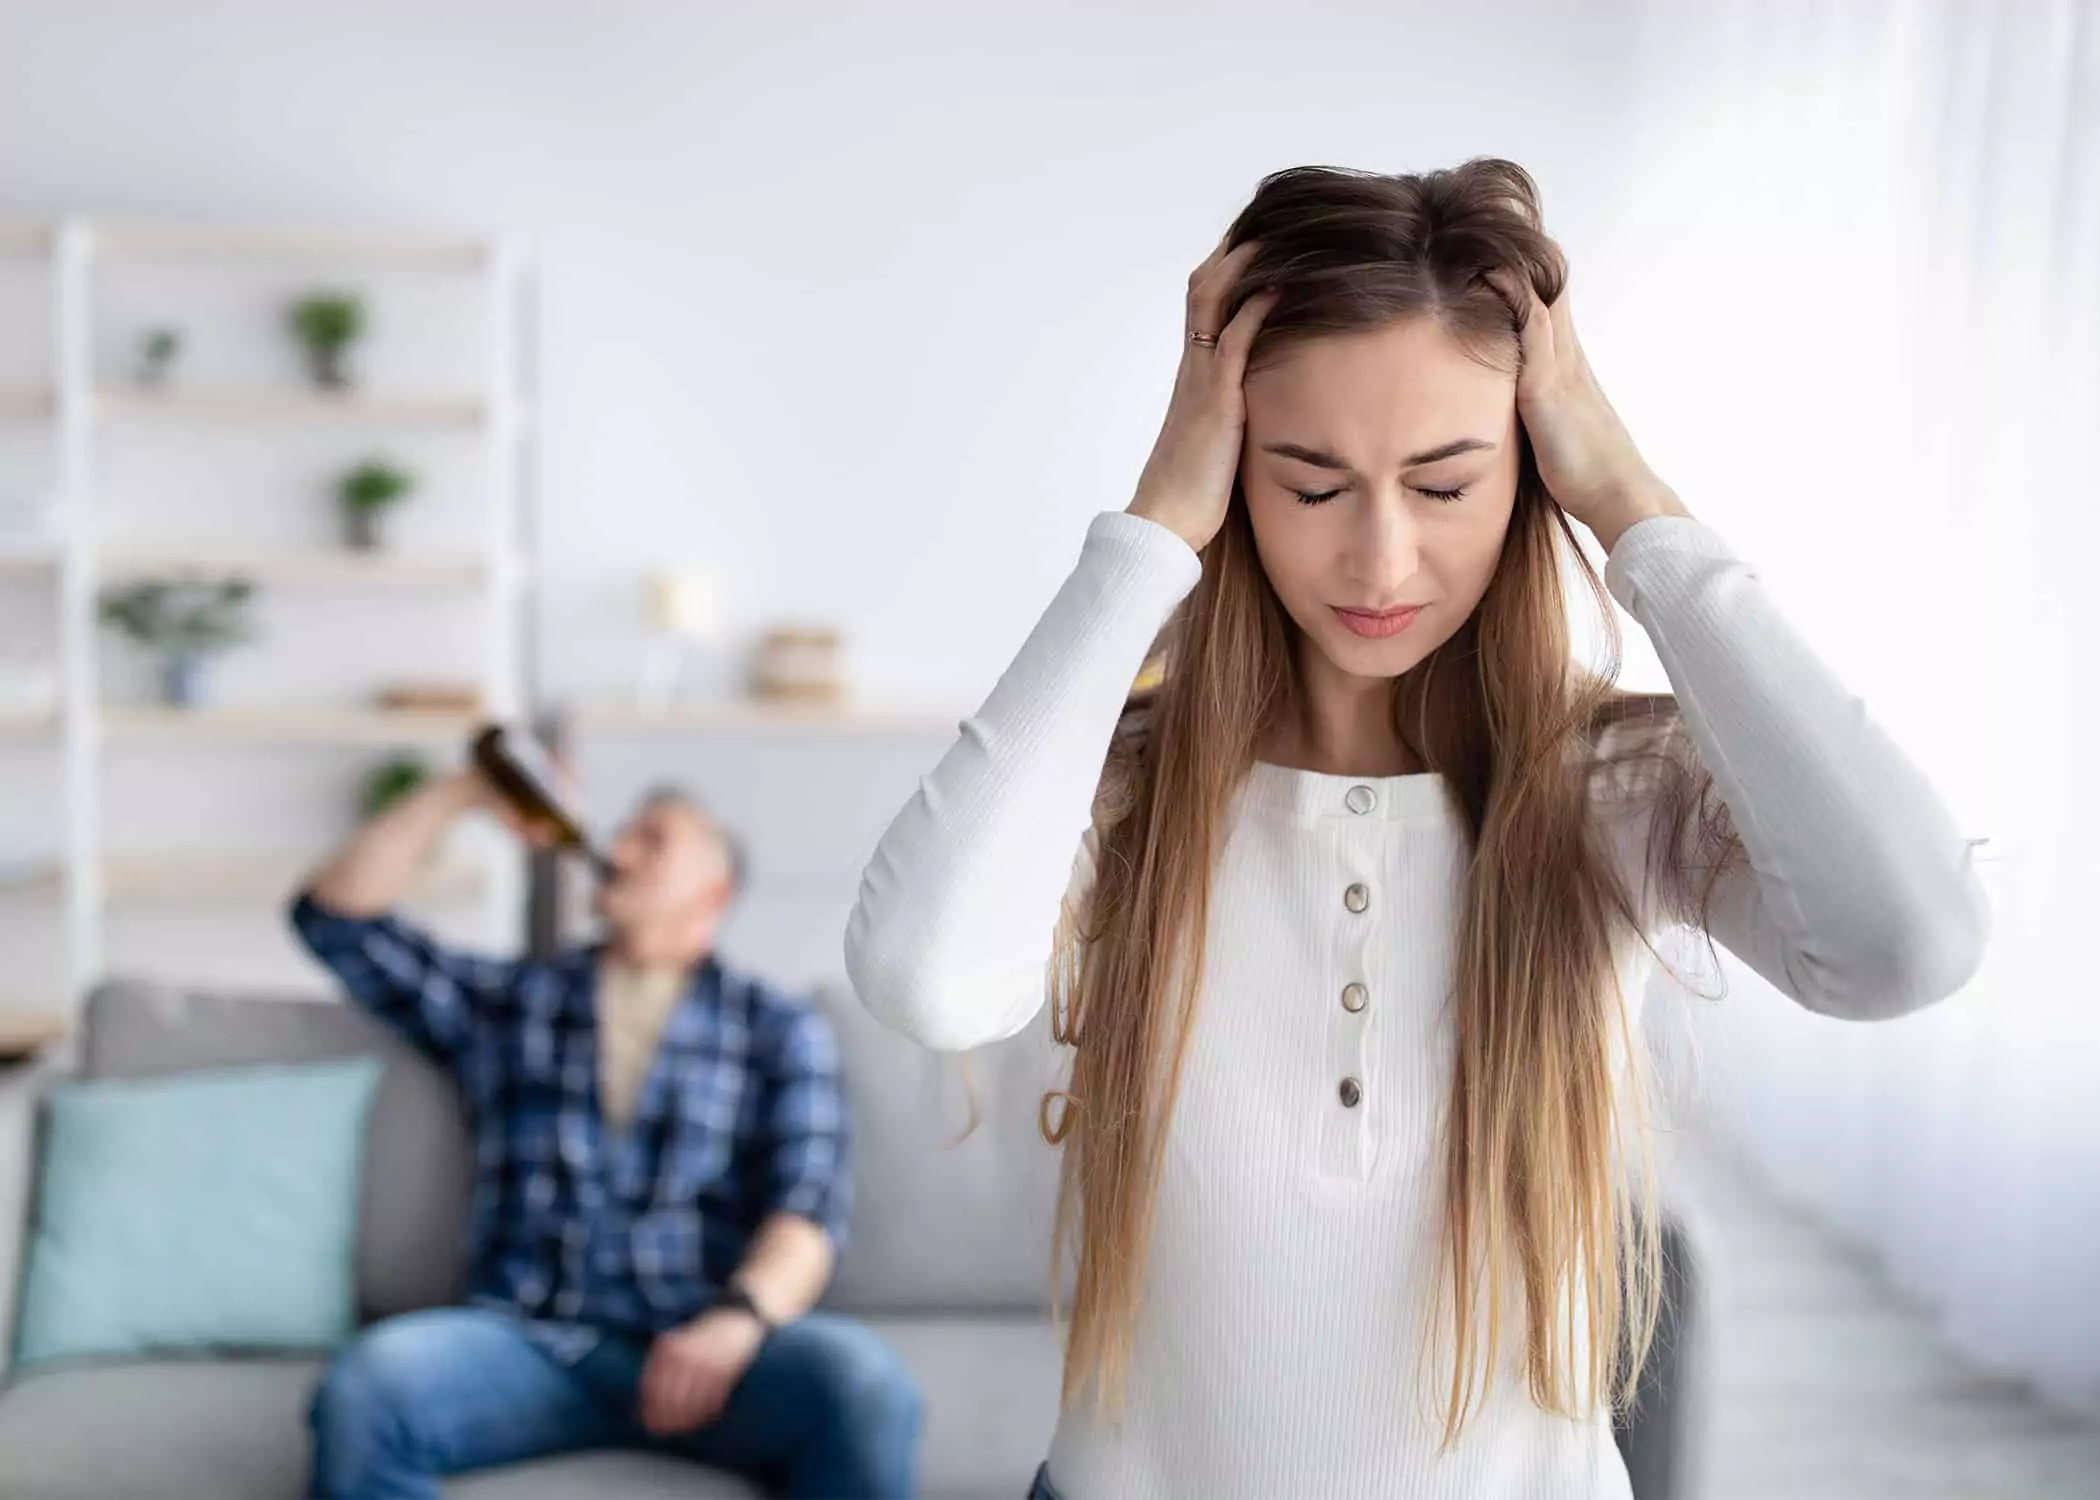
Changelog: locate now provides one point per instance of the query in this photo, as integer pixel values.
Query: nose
(1385, 549)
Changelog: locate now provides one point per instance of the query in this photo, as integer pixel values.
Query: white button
(1355, 997)
(1357, 897)
(1361, 799)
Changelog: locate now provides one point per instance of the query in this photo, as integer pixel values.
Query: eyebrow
(1320, 460)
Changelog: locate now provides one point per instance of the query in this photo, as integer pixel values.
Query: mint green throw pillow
(198, 1211)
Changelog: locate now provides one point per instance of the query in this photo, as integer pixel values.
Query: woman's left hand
(1585, 454)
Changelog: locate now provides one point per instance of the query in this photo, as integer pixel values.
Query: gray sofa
(948, 1262)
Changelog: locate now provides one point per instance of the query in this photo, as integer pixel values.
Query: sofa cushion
(941, 1224)
(417, 1177)
(236, 1429)
(205, 1211)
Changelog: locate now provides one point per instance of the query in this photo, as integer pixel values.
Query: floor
(1827, 1387)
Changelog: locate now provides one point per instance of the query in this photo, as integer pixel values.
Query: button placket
(1348, 1141)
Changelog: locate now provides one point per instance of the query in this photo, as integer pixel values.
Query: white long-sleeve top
(1297, 1232)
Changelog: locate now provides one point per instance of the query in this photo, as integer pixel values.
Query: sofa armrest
(21, 1091)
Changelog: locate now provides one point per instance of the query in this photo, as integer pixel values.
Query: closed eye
(1446, 497)
(1315, 497)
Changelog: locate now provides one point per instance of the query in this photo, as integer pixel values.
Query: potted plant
(159, 348)
(390, 781)
(182, 623)
(367, 493)
(327, 324)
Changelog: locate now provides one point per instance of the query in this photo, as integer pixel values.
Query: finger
(1208, 292)
(1534, 322)
(649, 1401)
(703, 1404)
(1238, 337)
(1561, 318)
(689, 1401)
(1217, 254)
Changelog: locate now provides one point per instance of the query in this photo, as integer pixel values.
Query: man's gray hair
(671, 794)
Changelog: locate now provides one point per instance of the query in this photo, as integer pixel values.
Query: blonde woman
(1346, 920)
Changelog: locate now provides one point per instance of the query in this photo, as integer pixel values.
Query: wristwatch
(736, 1297)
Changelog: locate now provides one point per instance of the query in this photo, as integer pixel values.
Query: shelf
(22, 239)
(230, 879)
(752, 717)
(286, 724)
(244, 244)
(256, 878)
(315, 568)
(25, 1032)
(30, 879)
(27, 562)
(25, 403)
(290, 406)
(27, 726)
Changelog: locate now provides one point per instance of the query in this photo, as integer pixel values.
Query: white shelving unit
(81, 407)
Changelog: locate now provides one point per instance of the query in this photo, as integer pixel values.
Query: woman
(1350, 950)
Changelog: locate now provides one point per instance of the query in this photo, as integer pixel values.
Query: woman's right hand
(1187, 483)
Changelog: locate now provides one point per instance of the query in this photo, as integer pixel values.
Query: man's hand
(691, 1370)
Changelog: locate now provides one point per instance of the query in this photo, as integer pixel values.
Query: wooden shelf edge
(758, 717)
(20, 402)
(246, 243)
(233, 879)
(320, 725)
(18, 726)
(20, 238)
(290, 404)
(309, 567)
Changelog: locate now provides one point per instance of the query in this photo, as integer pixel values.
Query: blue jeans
(825, 1409)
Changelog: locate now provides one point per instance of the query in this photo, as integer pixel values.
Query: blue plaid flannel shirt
(577, 1226)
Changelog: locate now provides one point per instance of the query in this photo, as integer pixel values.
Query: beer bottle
(522, 774)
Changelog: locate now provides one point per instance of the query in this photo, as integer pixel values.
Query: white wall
(865, 309)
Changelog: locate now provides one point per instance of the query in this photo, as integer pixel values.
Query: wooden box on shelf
(799, 664)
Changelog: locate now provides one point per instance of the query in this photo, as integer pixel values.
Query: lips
(1377, 624)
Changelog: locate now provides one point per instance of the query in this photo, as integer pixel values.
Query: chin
(1386, 659)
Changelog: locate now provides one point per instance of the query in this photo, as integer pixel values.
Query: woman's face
(1380, 469)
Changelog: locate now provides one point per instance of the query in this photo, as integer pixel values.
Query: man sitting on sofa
(661, 1185)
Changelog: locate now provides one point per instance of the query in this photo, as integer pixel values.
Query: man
(661, 1187)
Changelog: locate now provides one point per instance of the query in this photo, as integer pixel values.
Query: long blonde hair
(1543, 1199)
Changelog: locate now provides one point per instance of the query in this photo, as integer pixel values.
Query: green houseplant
(327, 324)
(390, 781)
(183, 623)
(366, 494)
(159, 348)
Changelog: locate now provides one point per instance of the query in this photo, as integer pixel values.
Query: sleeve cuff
(1142, 552)
(1661, 560)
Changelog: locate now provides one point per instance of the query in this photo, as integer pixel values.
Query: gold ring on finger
(1203, 340)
